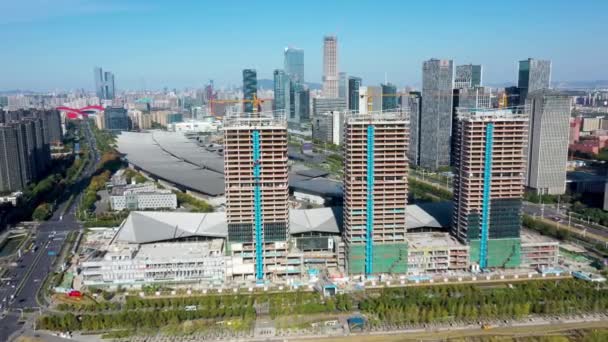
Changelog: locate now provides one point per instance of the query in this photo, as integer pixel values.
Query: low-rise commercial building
(538, 251)
(141, 197)
(436, 253)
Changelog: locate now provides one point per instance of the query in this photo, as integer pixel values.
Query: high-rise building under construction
(490, 163)
(255, 170)
(375, 192)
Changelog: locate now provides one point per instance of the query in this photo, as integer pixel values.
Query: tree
(42, 212)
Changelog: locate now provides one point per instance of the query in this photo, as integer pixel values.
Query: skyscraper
(250, 89)
(436, 115)
(413, 107)
(11, 178)
(343, 86)
(294, 64)
(255, 170)
(302, 104)
(489, 164)
(468, 76)
(281, 90)
(330, 66)
(375, 192)
(475, 97)
(549, 113)
(534, 74)
(354, 83)
(321, 105)
(389, 97)
(104, 84)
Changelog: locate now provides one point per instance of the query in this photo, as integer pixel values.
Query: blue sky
(54, 44)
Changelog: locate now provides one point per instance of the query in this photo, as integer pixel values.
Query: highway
(21, 283)
(551, 212)
(547, 211)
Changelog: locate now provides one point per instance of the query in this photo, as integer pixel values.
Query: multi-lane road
(551, 212)
(20, 285)
(547, 211)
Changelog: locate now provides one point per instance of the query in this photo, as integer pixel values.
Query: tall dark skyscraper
(281, 90)
(343, 86)
(104, 84)
(302, 104)
(436, 115)
(534, 74)
(412, 105)
(11, 178)
(294, 64)
(250, 89)
(389, 97)
(353, 93)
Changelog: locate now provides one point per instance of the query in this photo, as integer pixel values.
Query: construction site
(259, 237)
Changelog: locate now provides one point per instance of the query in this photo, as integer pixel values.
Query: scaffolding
(502, 253)
(487, 174)
(257, 204)
(369, 240)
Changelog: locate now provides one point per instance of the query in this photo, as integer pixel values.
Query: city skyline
(45, 44)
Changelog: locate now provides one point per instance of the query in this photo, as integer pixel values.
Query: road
(551, 212)
(20, 285)
(548, 211)
(537, 327)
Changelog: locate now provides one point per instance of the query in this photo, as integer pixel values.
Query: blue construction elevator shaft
(257, 209)
(485, 204)
(369, 222)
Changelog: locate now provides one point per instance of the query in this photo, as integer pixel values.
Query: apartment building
(375, 192)
(489, 184)
(256, 181)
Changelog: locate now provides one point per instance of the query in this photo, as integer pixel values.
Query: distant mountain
(581, 84)
(269, 84)
(16, 91)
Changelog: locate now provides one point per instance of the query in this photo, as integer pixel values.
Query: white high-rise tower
(330, 67)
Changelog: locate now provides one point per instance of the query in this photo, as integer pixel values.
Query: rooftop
(486, 114)
(153, 226)
(432, 239)
(172, 157)
(156, 226)
(326, 220)
(181, 251)
(261, 119)
(528, 236)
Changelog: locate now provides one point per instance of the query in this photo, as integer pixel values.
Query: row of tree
(408, 305)
(549, 229)
(471, 303)
(425, 192)
(154, 319)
